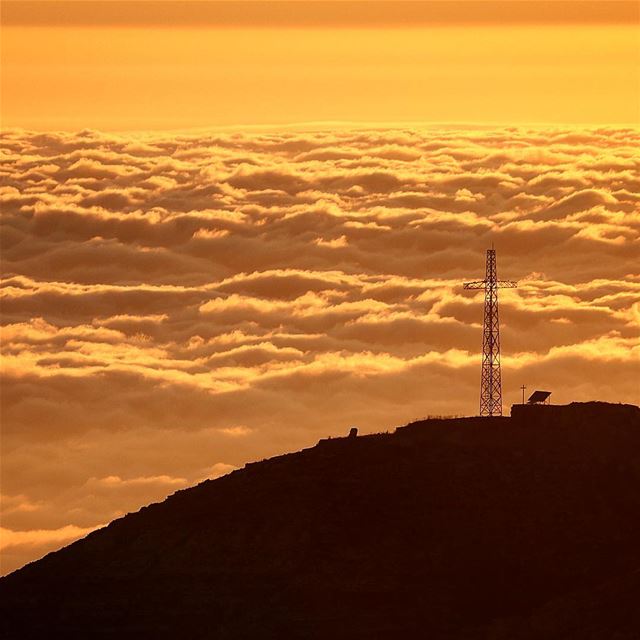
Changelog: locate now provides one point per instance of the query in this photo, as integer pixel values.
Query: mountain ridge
(454, 528)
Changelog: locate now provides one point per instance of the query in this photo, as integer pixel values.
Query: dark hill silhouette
(476, 528)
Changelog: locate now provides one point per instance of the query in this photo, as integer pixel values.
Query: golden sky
(141, 65)
(290, 263)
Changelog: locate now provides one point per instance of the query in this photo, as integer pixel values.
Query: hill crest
(457, 528)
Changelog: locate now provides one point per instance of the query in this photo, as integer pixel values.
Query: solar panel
(538, 396)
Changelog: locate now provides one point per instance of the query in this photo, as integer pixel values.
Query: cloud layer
(314, 13)
(176, 305)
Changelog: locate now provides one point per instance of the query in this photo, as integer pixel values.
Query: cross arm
(482, 284)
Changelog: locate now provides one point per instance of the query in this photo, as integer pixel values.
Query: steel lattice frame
(491, 381)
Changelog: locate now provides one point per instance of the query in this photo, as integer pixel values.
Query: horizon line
(322, 125)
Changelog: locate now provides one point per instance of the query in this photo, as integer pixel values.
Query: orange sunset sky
(232, 228)
(181, 64)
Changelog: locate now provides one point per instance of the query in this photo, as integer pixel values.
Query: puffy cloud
(177, 305)
(20, 547)
(41, 537)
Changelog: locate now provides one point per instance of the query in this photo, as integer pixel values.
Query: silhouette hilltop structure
(486, 528)
(491, 379)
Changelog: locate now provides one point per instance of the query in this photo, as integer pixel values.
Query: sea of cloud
(175, 305)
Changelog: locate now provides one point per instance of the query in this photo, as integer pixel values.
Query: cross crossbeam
(482, 284)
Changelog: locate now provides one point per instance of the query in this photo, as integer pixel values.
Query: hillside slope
(477, 528)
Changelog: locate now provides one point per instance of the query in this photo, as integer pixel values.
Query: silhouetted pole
(523, 388)
(491, 382)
